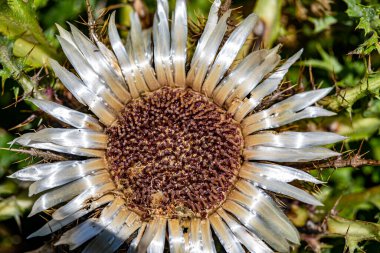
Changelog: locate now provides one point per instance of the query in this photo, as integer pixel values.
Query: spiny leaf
(346, 98)
(369, 21)
(12, 66)
(321, 24)
(350, 204)
(18, 19)
(353, 231)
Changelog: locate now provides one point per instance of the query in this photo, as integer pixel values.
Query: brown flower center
(174, 153)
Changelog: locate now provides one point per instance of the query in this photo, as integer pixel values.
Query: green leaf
(353, 231)
(18, 19)
(328, 62)
(40, 3)
(8, 187)
(321, 24)
(62, 11)
(346, 98)
(14, 207)
(350, 204)
(368, 20)
(359, 128)
(6, 157)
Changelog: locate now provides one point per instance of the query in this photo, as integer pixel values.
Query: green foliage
(6, 157)
(18, 18)
(353, 231)
(328, 62)
(369, 21)
(370, 85)
(327, 31)
(322, 24)
(18, 22)
(61, 11)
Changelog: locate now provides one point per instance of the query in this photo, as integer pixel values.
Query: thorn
(360, 148)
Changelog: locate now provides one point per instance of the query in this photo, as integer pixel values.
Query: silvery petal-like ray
(66, 35)
(195, 236)
(136, 82)
(67, 115)
(135, 242)
(158, 242)
(274, 154)
(101, 66)
(286, 118)
(176, 239)
(187, 242)
(124, 233)
(281, 188)
(292, 139)
(254, 222)
(66, 192)
(199, 69)
(141, 59)
(79, 202)
(39, 171)
(105, 239)
(54, 225)
(228, 53)
(161, 39)
(258, 205)
(80, 234)
(83, 94)
(242, 90)
(211, 23)
(207, 240)
(234, 106)
(66, 175)
(132, 218)
(249, 240)
(89, 77)
(294, 103)
(68, 150)
(238, 75)
(111, 59)
(81, 138)
(179, 43)
(226, 238)
(252, 191)
(147, 35)
(149, 233)
(165, 5)
(279, 172)
(265, 88)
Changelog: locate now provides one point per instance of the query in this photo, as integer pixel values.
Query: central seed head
(174, 153)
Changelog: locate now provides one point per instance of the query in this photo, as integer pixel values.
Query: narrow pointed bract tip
(176, 148)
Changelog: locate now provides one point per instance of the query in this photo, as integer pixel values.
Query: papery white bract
(110, 79)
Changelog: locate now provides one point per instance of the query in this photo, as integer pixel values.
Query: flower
(176, 146)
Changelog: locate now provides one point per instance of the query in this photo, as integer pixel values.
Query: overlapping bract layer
(108, 79)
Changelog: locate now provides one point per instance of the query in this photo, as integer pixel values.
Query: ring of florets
(174, 153)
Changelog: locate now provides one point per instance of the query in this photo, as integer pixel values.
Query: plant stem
(346, 98)
(269, 11)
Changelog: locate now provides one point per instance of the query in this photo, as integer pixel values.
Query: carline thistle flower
(177, 149)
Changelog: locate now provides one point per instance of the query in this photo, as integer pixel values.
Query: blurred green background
(340, 39)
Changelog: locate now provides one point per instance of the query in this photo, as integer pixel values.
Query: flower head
(176, 146)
